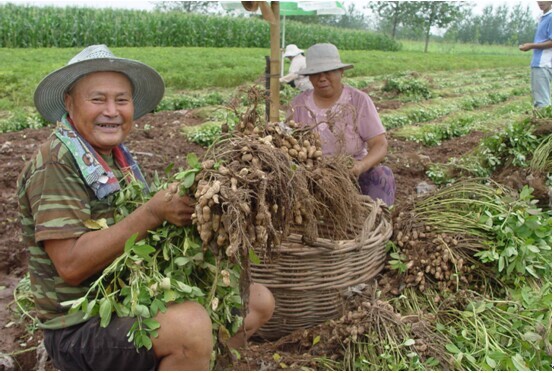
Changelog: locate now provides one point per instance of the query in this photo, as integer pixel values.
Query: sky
(149, 4)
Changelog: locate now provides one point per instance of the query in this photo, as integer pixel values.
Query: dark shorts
(88, 346)
(378, 182)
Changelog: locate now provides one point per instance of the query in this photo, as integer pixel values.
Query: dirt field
(155, 148)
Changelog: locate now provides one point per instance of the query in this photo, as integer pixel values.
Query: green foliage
(499, 335)
(514, 235)
(34, 27)
(167, 266)
(407, 85)
(192, 71)
(391, 14)
(449, 47)
(398, 260)
(206, 134)
(20, 120)
(542, 156)
(424, 15)
(435, 133)
(521, 239)
(488, 99)
(512, 146)
(495, 25)
(25, 304)
(417, 115)
(180, 102)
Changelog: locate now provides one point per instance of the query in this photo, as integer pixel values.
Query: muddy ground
(157, 141)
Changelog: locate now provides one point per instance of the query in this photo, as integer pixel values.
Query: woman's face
(328, 83)
(101, 107)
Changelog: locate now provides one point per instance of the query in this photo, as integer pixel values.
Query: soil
(156, 142)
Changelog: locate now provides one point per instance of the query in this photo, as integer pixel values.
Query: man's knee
(186, 327)
(261, 302)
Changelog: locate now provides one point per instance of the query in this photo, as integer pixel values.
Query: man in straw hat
(346, 120)
(72, 178)
(297, 63)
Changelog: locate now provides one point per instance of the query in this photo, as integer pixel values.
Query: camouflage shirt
(54, 203)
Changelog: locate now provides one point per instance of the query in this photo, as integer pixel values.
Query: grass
(192, 69)
(445, 47)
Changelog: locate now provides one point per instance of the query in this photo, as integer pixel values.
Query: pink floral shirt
(345, 127)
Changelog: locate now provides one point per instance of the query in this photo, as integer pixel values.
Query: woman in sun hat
(346, 120)
(71, 179)
(297, 63)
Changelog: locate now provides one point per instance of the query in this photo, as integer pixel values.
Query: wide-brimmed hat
(148, 85)
(292, 50)
(323, 57)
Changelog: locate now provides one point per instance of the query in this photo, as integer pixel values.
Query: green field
(195, 70)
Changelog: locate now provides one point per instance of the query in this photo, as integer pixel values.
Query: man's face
(545, 6)
(101, 107)
(327, 83)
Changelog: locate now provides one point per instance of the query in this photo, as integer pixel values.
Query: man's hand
(168, 205)
(525, 47)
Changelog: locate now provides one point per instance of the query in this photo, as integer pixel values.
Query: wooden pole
(272, 16)
(267, 85)
(275, 64)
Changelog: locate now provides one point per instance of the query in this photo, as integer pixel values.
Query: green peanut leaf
(105, 312)
(143, 251)
(253, 257)
(130, 242)
(142, 311)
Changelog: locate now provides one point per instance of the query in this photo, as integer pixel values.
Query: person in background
(297, 62)
(71, 179)
(541, 63)
(346, 120)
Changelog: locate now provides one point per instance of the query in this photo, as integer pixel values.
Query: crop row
(461, 123)
(35, 27)
(440, 107)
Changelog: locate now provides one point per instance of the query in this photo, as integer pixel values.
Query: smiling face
(101, 107)
(328, 84)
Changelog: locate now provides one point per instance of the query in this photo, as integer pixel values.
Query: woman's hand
(357, 169)
(377, 150)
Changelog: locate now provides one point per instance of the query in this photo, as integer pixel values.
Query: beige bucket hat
(148, 85)
(292, 50)
(323, 57)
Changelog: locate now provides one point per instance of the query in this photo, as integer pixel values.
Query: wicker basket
(307, 281)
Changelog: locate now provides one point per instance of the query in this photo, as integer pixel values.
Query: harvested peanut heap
(373, 323)
(433, 259)
(263, 179)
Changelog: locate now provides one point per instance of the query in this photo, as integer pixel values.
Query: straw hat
(321, 58)
(148, 85)
(292, 50)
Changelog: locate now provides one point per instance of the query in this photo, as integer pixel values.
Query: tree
(353, 19)
(428, 14)
(494, 26)
(466, 30)
(391, 13)
(521, 25)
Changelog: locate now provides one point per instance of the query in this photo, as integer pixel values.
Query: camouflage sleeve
(58, 196)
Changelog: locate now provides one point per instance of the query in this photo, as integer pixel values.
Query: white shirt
(301, 82)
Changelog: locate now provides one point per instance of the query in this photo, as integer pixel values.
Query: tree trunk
(429, 25)
(394, 23)
(427, 35)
